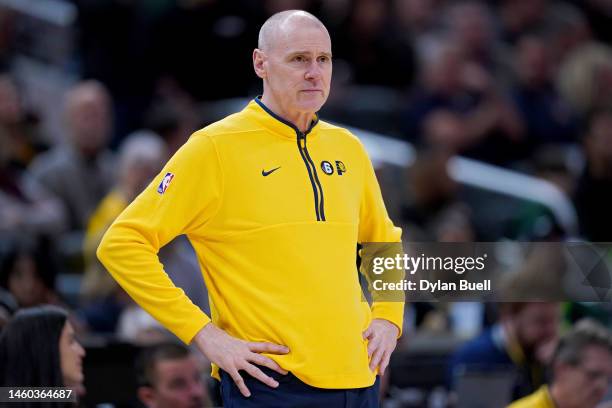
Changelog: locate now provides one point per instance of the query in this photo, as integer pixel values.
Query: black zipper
(312, 174)
(310, 166)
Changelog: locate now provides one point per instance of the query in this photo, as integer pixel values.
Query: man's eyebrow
(304, 52)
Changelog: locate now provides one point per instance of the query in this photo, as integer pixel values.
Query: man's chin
(312, 104)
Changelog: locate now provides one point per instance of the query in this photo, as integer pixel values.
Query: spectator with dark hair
(520, 344)
(371, 43)
(170, 376)
(38, 348)
(581, 370)
(27, 271)
(548, 117)
(593, 197)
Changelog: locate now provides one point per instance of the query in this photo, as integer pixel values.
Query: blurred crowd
(522, 84)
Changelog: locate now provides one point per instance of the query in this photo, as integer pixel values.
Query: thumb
(367, 333)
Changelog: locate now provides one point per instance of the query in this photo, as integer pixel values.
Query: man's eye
(323, 59)
(299, 58)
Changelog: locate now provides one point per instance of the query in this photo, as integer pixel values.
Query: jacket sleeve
(375, 228)
(193, 188)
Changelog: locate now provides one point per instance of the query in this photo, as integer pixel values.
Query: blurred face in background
(536, 324)
(25, 283)
(585, 384)
(598, 145)
(534, 62)
(71, 357)
(88, 117)
(178, 384)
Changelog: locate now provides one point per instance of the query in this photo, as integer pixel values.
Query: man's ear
(259, 58)
(147, 396)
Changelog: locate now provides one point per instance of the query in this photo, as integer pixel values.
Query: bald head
(88, 116)
(280, 23)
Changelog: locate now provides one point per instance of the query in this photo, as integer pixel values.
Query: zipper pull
(302, 139)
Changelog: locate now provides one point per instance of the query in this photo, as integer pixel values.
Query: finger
(368, 332)
(263, 347)
(384, 363)
(376, 359)
(373, 345)
(258, 374)
(266, 362)
(239, 381)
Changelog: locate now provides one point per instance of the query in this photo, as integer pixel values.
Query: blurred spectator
(25, 205)
(548, 118)
(370, 42)
(206, 30)
(521, 343)
(106, 307)
(172, 121)
(80, 172)
(38, 348)
(493, 129)
(471, 29)
(27, 271)
(170, 376)
(8, 306)
(593, 197)
(585, 78)
(581, 370)
(518, 17)
(432, 211)
(567, 30)
(18, 125)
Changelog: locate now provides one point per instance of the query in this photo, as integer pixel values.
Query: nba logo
(165, 183)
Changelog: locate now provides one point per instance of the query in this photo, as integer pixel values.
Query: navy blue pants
(293, 393)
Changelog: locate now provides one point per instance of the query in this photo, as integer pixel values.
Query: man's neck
(300, 120)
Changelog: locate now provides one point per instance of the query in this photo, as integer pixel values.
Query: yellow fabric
(107, 211)
(96, 281)
(274, 273)
(539, 399)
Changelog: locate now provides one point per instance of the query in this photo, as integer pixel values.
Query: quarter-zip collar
(277, 124)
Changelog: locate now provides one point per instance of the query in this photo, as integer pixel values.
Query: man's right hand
(232, 354)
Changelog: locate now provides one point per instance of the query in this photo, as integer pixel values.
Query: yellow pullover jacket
(274, 216)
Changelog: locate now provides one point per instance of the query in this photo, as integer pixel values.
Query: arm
(130, 246)
(376, 227)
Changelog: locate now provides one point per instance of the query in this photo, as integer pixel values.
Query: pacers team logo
(163, 186)
(340, 167)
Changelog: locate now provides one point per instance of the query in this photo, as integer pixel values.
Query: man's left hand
(382, 339)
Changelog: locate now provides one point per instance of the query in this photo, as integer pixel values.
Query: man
(521, 343)
(274, 202)
(80, 172)
(582, 370)
(169, 376)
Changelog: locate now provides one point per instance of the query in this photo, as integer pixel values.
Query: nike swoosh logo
(267, 173)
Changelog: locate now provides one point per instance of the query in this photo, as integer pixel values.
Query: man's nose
(313, 71)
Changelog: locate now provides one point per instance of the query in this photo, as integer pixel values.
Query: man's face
(178, 384)
(297, 68)
(585, 384)
(537, 324)
(89, 119)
